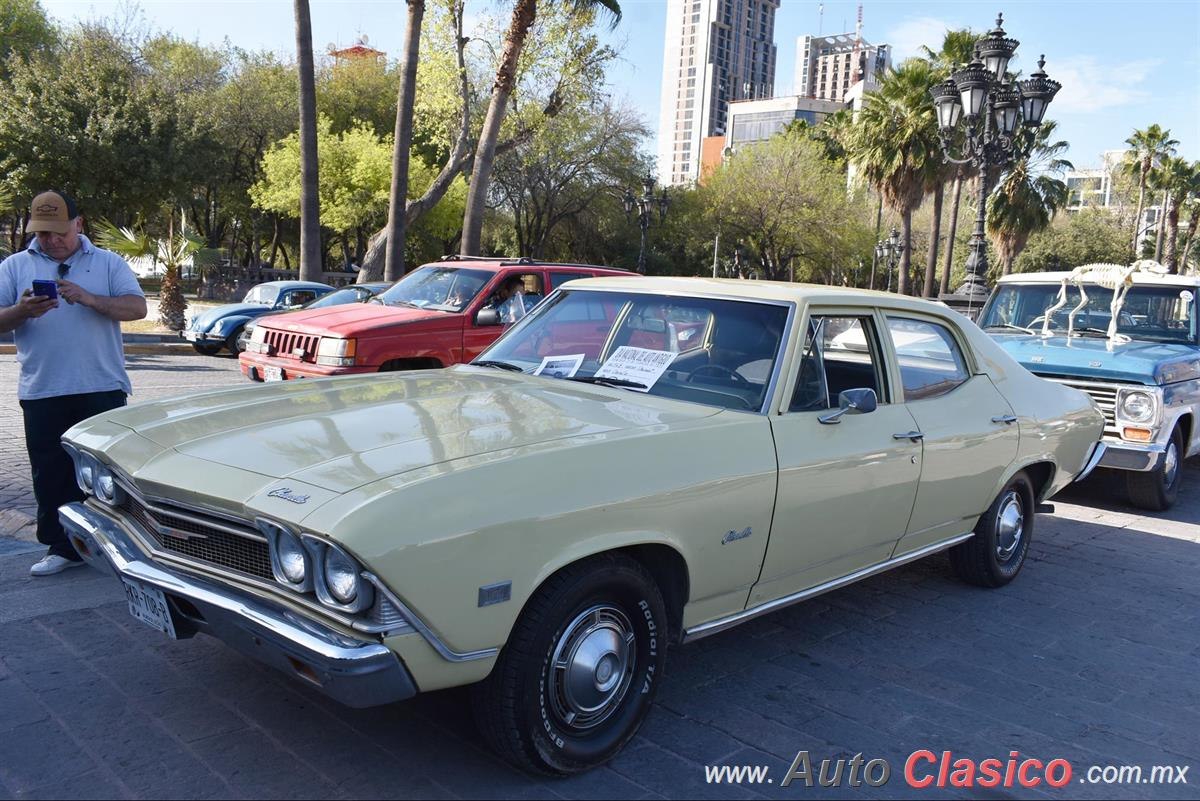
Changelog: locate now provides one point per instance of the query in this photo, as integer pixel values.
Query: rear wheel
(1158, 489)
(579, 671)
(995, 555)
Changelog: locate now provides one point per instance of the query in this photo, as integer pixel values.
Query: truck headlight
(1137, 406)
(289, 559)
(336, 352)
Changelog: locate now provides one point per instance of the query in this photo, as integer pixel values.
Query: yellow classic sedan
(636, 464)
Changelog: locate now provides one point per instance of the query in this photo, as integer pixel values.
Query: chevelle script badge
(286, 494)
(736, 535)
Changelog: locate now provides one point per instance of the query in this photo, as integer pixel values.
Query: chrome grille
(285, 343)
(213, 542)
(1105, 396)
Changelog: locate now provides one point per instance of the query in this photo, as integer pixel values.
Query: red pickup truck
(440, 314)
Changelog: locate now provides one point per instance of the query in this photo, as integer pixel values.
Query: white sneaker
(53, 563)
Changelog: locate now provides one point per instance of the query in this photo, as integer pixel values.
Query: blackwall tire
(995, 555)
(578, 674)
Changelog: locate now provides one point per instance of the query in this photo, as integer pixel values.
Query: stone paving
(1089, 656)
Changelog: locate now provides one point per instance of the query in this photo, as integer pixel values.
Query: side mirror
(852, 401)
(487, 316)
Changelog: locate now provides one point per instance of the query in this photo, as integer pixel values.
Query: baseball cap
(51, 211)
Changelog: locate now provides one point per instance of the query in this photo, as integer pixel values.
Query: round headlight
(87, 472)
(341, 576)
(105, 485)
(291, 557)
(1137, 407)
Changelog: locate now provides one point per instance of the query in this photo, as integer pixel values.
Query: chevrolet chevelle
(638, 462)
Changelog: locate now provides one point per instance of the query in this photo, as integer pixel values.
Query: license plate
(149, 605)
(272, 373)
(191, 336)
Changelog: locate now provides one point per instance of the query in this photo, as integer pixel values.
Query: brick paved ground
(1091, 655)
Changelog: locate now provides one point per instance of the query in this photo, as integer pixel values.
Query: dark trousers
(46, 419)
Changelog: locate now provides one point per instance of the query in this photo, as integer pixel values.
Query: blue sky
(1123, 65)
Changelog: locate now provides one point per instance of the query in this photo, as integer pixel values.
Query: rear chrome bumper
(358, 673)
(1098, 453)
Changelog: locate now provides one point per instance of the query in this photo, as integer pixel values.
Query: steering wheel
(733, 375)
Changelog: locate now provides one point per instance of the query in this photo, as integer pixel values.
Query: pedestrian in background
(71, 355)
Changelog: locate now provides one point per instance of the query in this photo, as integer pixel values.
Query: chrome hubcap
(1170, 466)
(1010, 526)
(591, 667)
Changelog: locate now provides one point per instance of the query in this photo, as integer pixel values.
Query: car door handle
(1007, 419)
(915, 436)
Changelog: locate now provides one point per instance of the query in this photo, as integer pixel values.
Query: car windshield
(263, 295)
(336, 298)
(704, 350)
(1154, 313)
(443, 288)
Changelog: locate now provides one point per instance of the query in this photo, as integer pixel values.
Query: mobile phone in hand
(46, 289)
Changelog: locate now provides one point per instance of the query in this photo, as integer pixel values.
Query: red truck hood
(351, 319)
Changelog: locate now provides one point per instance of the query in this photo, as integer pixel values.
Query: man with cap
(69, 349)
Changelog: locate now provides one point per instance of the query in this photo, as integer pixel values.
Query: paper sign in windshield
(642, 365)
(560, 366)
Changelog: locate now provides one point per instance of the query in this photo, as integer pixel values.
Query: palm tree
(957, 48)
(1178, 179)
(1148, 147)
(1193, 207)
(523, 16)
(171, 252)
(393, 265)
(310, 209)
(895, 146)
(1029, 195)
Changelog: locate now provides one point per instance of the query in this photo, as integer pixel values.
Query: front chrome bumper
(1141, 457)
(358, 673)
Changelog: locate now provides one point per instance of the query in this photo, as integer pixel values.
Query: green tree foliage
(1086, 237)
(25, 31)
(1148, 146)
(1029, 194)
(896, 148)
(788, 204)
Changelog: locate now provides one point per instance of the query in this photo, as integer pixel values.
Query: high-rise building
(827, 66)
(716, 51)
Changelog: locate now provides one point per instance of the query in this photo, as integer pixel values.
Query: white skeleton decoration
(1116, 277)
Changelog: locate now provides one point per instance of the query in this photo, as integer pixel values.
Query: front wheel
(579, 672)
(1158, 489)
(207, 350)
(994, 556)
(236, 341)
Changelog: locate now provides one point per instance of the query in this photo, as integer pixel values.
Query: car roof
(495, 264)
(1152, 279)
(295, 285)
(771, 291)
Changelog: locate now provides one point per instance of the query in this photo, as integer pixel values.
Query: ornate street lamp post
(988, 111)
(646, 204)
(887, 253)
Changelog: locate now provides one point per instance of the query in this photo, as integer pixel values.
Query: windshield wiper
(499, 365)
(1007, 326)
(612, 382)
(1102, 332)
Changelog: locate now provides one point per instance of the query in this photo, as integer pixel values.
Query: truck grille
(1105, 396)
(193, 535)
(286, 343)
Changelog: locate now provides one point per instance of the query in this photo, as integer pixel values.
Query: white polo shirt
(72, 349)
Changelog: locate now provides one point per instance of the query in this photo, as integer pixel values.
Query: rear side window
(931, 363)
(558, 279)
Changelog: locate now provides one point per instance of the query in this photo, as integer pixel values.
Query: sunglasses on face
(63, 269)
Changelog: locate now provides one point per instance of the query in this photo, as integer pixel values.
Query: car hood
(352, 319)
(342, 433)
(209, 317)
(1141, 362)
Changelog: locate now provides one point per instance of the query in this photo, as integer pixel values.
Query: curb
(134, 343)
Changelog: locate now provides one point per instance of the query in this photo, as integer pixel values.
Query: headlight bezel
(1151, 418)
(336, 351)
(364, 595)
(275, 532)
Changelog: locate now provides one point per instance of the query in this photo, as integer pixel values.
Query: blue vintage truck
(1144, 372)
